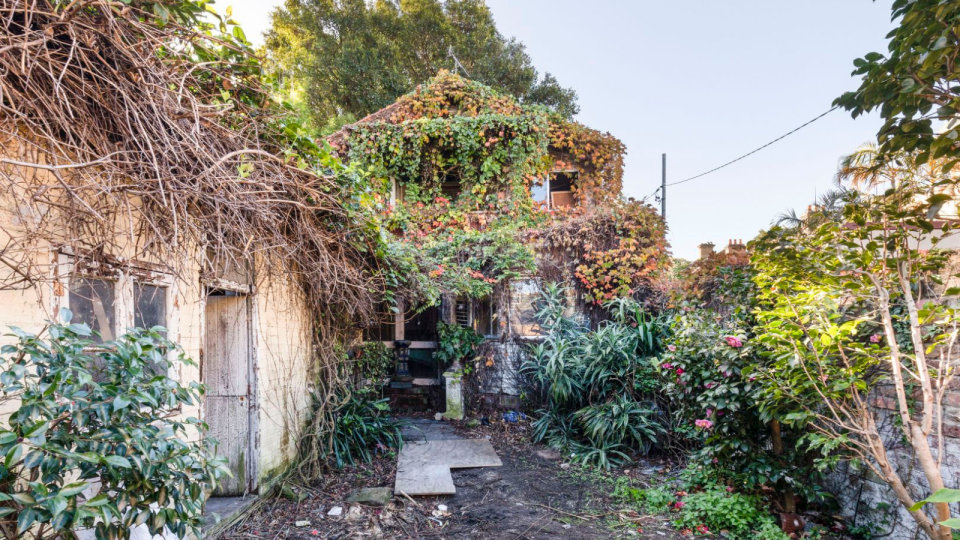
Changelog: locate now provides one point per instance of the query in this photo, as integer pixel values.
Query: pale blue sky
(704, 81)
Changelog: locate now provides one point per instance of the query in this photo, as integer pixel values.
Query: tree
(854, 313)
(87, 413)
(916, 84)
(351, 57)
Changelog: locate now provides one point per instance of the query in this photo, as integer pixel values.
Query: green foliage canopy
(330, 49)
(916, 83)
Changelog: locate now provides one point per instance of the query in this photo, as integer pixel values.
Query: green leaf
(118, 461)
(120, 402)
(23, 498)
(71, 490)
(945, 495)
(953, 523)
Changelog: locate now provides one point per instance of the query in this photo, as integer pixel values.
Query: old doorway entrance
(228, 373)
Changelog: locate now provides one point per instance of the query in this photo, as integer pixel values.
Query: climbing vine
(454, 165)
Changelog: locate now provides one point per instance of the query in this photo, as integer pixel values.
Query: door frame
(248, 292)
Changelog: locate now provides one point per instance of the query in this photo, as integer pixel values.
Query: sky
(704, 82)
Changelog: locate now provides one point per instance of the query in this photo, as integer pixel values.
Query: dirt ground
(530, 497)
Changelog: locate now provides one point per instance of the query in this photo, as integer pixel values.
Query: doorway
(228, 374)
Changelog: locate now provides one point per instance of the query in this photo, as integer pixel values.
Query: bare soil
(528, 498)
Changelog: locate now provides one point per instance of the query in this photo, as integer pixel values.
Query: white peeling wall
(284, 352)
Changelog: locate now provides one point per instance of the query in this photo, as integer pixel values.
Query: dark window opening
(92, 302)
(151, 306)
(451, 188)
(150, 310)
(484, 318)
(383, 327)
(561, 190)
(422, 326)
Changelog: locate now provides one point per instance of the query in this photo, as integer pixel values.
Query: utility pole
(663, 191)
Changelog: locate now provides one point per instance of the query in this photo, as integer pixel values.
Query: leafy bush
(720, 509)
(652, 500)
(362, 426)
(595, 383)
(102, 413)
(457, 342)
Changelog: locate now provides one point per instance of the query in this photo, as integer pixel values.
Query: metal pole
(663, 190)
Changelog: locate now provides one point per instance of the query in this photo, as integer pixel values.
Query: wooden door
(226, 372)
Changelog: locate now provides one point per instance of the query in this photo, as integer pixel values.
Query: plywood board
(423, 468)
(424, 479)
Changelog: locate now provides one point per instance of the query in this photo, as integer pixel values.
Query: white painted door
(226, 372)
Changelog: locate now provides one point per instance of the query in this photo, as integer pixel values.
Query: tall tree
(915, 83)
(348, 58)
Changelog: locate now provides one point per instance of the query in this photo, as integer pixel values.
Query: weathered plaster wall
(282, 321)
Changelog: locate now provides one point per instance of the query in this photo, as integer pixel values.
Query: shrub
(719, 509)
(362, 426)
(652, 500)
(457, 343)
(595, 384)
(100, 413)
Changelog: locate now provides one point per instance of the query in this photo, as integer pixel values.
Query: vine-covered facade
(484, 197)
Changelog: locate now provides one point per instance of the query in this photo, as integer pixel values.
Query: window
(150, 305)
(541, 192)
(484, 319)
(561, 190)
(92, 301)
(422, 326)
(462, 312)
(523, 309)
(383, 327)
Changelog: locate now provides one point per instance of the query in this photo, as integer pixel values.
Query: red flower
(734, 342)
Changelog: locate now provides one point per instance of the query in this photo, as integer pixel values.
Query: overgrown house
(492, 198)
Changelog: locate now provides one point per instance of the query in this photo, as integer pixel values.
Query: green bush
(363, 426)
(456, 343)
(652, 500)
(720, 509)
(595, 384)
(100, 413)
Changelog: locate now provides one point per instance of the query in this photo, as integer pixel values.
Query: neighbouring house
(462, 164)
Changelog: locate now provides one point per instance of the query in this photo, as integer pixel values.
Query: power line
(784, 136)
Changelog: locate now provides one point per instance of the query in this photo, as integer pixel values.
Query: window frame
(124, 299)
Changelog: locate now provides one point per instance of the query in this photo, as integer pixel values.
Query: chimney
(706, 250)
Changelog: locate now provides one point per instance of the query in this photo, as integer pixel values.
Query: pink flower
(709, 385)
(703, 424)
(679, 371)
(875, 338)
(672, 348)
(734, 342)
(729, 489)
(667, 366)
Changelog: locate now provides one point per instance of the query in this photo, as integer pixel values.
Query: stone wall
(868, 502)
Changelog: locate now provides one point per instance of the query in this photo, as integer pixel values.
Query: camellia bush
(854, 313)
(95, 439)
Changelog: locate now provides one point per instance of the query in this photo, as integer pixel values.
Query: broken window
(92, 302)
(561, 190)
